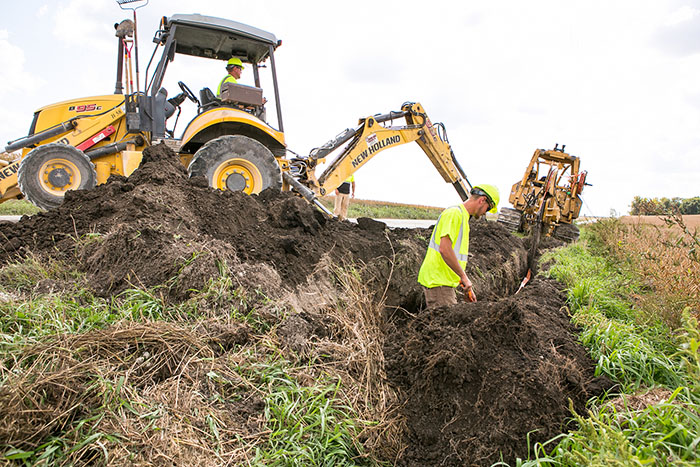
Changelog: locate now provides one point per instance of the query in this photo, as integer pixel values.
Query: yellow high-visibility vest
(434, 272)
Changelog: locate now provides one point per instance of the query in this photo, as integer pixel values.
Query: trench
(476, 381)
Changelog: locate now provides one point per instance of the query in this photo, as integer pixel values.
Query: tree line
(659, 206)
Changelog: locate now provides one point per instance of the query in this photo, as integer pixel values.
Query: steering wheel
(188, 92)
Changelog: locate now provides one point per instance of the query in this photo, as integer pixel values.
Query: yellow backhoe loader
(79, 143)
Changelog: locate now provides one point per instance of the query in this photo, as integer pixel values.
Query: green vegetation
(660, 206)
(18, 207)
(385, 210)
(655, 418)
(86, 380)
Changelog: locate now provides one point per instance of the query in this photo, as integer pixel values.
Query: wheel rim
(56, 176)
(238, 175)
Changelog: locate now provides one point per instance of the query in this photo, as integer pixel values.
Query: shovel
(526, 279)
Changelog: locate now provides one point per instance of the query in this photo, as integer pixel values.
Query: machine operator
(234, 67)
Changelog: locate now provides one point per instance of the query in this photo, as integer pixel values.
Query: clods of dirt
(475, 380)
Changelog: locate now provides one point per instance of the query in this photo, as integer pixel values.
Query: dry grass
(140, 393)
(666, 256)
(692, 221)
(352, 350)
(187, 392)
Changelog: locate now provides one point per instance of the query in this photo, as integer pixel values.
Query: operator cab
(217, 39)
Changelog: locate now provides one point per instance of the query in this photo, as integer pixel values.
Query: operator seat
(208, 99)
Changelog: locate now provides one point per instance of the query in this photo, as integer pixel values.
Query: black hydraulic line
(390, 116)
(332, 145)
(42, 135)
(305, 192)
(113, 148)
(459, 168)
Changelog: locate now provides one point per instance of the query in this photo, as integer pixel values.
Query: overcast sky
(615, 81)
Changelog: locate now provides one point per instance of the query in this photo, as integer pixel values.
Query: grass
(18, 207)
(385, 209)
(357, 208)
(308, 425)
(89, 380)
(651, 353)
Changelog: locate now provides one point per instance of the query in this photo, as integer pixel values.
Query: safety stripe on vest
(458, 244)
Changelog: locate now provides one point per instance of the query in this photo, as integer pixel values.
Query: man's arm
(353, 189)
(448, 255)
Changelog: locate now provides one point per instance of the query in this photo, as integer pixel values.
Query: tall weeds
(640, 324)
(665, 261)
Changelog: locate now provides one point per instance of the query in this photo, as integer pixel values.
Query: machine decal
(390, 141)
(84, 108)
(96, 139)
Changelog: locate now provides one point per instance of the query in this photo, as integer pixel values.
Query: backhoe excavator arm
(371, 137)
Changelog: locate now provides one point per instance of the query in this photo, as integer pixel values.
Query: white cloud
(16, 82)
(82, 23)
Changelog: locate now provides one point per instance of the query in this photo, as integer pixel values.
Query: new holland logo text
(374, 148)
(9, 171)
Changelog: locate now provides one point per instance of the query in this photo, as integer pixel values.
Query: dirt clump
(474, 380)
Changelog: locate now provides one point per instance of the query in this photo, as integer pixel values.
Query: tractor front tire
(237, 163)
(49, 171)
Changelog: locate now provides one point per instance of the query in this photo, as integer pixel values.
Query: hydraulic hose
(42, 135)
(306, 193)
(113, 148)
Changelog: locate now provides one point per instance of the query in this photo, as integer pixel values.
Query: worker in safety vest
(342, 197)
(234, 67)
(443, 267)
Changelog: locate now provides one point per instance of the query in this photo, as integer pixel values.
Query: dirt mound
(486, 374)
(148, 229)
(475, 378)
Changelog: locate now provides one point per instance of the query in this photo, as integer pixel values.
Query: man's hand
(466, 285)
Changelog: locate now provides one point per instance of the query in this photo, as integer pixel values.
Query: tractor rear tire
(566, 232)
(49, 171)
(510, 218)
(237, 163)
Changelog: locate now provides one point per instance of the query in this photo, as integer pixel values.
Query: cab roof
(219, 38)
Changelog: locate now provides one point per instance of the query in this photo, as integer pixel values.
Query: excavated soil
(475, 380)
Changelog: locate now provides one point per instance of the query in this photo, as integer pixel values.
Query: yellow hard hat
(234, 62)
(491, 192)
